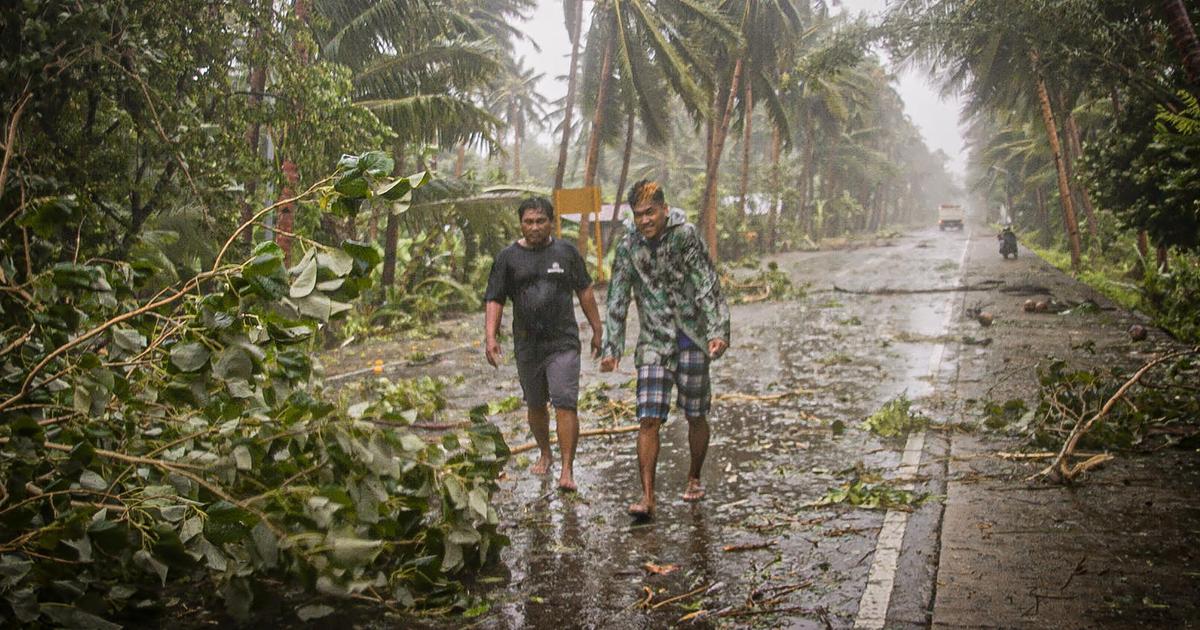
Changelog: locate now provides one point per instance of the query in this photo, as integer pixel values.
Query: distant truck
(950, 216)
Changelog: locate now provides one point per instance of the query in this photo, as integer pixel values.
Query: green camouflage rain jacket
(676, 288)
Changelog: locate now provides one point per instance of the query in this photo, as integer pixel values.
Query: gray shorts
(553, 379)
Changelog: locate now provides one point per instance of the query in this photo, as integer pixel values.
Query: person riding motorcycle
(1008, 242)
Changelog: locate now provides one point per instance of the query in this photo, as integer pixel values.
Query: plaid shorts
(691, 378)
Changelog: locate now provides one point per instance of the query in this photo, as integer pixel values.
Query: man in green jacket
(662, 263)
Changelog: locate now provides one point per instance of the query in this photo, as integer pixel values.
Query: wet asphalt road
(579, 561)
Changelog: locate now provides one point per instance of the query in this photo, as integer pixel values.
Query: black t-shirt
(541, 284)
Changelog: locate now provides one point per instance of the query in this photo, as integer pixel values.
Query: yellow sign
(585, 201)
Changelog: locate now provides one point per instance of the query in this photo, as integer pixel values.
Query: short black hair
(541, 204)
(646, 190)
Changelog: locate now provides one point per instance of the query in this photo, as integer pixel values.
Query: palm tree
(415, 65)
(515, 97)
(573, 15)
(740, 63)
(631, 56)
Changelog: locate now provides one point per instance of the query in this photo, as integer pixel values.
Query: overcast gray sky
(936, 118)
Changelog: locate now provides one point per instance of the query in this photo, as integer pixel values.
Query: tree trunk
(593, 150)
(776, 196)
(1064, 188)
(518, 139)
(747, 136)
(716, 144)
(460, 161)
(1184, 35)
(1164, 263)
(1075, 149)
(575, 33)
(620, 194)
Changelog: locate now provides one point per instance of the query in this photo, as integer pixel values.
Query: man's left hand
(596, 340)
(717, 347)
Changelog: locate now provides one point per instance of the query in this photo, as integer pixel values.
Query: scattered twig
(679, 597)
(746, 547)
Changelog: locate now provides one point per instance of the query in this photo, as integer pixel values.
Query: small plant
(895, 417)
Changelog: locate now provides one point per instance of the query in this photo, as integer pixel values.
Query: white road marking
(873, 607)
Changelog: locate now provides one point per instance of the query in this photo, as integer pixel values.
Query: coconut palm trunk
(593, 150)
(718, 131)
(575, 33)
(773, 218)
(1064, 188)
(1184, 35)
(747, 135)
(620, 192)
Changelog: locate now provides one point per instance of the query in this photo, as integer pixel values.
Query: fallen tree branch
(986, 285)
(1060, 469)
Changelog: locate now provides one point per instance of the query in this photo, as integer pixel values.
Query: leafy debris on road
(895, 417)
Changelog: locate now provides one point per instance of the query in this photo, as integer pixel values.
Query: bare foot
(566, 484)
(642, 511)
(695, 490)
(542, 466)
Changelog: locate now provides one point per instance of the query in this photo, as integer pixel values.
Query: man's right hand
(608, 364)
(492, 349)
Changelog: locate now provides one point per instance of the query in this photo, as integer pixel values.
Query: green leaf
(47, 215)
(92, 481)
(320, 307)
(363, 253)
(189, 357)
(352, 185)
(477, 498)
(306, 278)
(376, 163)
(401, 186)
(150, 564)
(129, 340)
(336, 261)
(68, 616)
(233, 362)
(314, 611)
(71, 276)
(349, 551)
(227, 523)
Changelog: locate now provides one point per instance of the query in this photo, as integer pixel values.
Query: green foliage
(161, 436)
(867, 491)
(1144, 169)
(1173, 297)
(1164, 400)
(895, 417)
(769, 283)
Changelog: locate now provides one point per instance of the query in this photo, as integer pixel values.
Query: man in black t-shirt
(539, 273)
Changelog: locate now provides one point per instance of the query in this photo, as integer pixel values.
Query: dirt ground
(987, 549)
